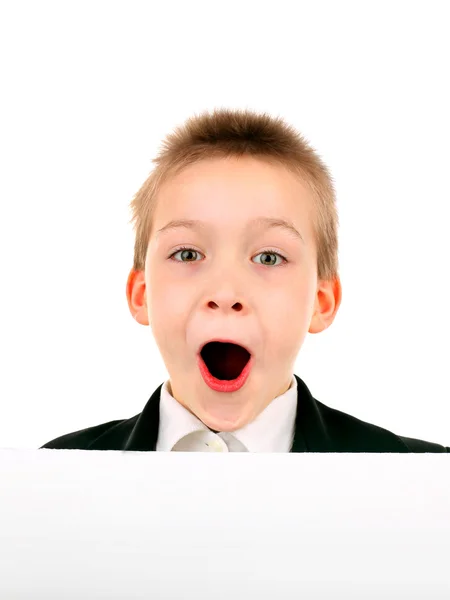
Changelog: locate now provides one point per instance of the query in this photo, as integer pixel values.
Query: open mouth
(224, 360)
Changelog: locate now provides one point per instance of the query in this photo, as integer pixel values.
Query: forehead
(237, 173)
(227, 190)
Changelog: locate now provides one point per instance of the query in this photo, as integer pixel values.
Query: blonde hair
(238, 133)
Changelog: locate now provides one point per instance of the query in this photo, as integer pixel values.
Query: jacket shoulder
(83, 438)
(415, 445)
(351, 434)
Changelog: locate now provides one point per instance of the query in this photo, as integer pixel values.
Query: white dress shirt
(271, 431)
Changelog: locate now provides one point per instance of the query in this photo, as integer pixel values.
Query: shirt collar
(271, 431)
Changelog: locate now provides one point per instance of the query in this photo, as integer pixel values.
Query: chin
(224, 418)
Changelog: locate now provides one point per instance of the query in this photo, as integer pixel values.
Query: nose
(225, 287)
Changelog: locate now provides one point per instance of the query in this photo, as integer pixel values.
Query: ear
(137, 296)
(329, 296)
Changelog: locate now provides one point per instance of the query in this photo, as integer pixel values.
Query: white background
(88, 91)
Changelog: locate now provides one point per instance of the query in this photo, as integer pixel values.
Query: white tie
(208, 441)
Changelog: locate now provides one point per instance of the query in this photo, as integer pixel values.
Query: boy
(235, 261)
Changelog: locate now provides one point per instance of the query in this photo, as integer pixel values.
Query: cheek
(287, 297)
(288, 308)
(170, 309)
(166, 295)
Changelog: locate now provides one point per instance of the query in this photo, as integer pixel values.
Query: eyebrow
(266, 222)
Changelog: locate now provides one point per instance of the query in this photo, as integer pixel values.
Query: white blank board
(110, 524)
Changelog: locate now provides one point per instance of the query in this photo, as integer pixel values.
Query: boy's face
(231, 285)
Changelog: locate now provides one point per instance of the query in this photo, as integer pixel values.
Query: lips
(225, 365)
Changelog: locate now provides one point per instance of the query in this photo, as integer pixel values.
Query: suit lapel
(310, 428)
(144, 435)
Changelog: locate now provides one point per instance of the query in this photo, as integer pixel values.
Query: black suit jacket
(318, 428)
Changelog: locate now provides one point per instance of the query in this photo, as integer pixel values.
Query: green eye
(269, 253)
(184, 250)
